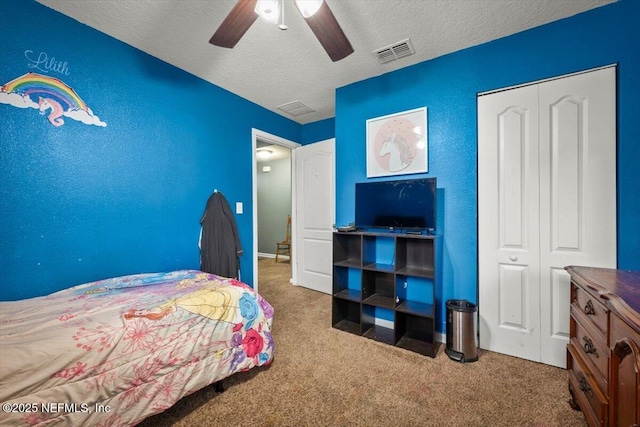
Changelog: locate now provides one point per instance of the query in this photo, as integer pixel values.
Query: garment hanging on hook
(215, 190)
(220, 246)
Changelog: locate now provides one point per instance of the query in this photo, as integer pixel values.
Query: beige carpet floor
(321, 376)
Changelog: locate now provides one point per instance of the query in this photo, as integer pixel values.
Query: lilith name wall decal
(50, 96)
(45, 63)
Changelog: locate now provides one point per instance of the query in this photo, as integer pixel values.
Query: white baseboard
(265, 255)
(384, 323)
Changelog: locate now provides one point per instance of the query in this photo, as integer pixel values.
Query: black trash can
(462, 334)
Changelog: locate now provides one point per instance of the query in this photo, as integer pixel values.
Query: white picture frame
(397, 144)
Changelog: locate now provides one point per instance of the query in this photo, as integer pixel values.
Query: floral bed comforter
(113, 352)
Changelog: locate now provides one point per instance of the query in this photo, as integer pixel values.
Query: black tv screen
(407, 204)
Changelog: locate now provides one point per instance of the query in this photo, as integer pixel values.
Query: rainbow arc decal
(33, 84)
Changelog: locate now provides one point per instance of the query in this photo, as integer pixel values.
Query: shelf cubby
(347, 283)
(346, 316)
(414, 290)
(378, 288)
(347, 250)
(372, 329)
(415, 257)
(378, 253)
(415, 333)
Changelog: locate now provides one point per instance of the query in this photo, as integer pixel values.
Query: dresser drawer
(590, 343)
(593, 309)
(586, 392)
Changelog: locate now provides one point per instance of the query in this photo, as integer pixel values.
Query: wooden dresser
(603, 355)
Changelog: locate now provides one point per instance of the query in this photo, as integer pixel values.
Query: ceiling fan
(316, 12)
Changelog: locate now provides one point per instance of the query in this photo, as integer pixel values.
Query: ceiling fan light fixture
(308, 8)
(268, 9)
(316, 13)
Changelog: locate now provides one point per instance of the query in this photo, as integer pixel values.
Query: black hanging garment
(220, 247)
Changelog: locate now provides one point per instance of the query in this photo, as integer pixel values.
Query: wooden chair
(284, 247)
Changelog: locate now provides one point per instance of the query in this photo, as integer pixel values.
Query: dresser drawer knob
(589, 348)
(588, 309)
(584, 385)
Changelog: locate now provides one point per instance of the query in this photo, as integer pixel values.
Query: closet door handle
(513, 258)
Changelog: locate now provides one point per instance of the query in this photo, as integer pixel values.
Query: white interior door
(546, 199)
(315, 214)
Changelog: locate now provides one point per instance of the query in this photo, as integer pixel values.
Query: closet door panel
(577, 192)
(508, 222)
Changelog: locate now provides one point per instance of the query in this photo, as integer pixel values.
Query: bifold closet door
(508, 222)
(546, 199)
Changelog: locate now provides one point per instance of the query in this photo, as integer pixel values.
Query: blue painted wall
(448, 87)
(80, 202)
(318, 131)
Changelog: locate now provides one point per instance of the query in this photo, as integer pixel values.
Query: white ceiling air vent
(395, 51)
(295, 108)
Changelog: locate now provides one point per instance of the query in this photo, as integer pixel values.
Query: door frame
(536, 82)
(277, 140)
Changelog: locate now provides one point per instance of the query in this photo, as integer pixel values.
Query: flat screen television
(396, 205)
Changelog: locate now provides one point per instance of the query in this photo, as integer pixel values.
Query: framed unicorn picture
(397, 144)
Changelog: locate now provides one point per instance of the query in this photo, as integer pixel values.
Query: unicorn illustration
(398, 150)
(55, 117)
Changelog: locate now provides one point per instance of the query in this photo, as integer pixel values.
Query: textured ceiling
(271, 67)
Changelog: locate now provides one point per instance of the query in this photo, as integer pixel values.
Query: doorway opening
(273, 197)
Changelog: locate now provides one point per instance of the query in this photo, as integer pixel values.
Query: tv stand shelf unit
(387, 273)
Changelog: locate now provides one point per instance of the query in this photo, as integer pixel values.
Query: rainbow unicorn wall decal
(45, 93)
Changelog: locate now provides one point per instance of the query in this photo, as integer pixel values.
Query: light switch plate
(239, 208)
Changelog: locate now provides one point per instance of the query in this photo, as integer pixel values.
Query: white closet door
(508, 222)
(546, 199)
(577, 193)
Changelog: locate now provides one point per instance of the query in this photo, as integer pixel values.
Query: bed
(114, 352)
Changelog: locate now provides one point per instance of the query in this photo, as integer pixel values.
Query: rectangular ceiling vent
(295, 108)
(395, 51)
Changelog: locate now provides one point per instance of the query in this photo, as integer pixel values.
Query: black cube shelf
(396, 273)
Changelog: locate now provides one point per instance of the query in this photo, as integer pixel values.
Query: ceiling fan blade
(326, 28)
(235, 24)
